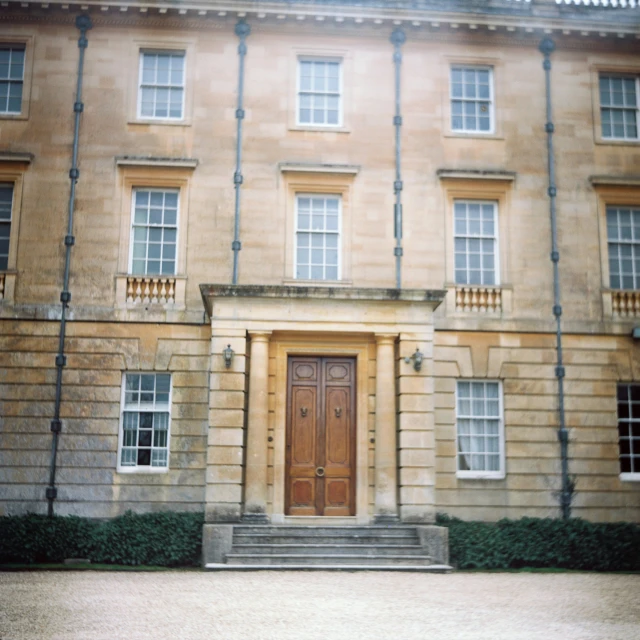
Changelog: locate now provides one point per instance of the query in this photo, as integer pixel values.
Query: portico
(318, 418)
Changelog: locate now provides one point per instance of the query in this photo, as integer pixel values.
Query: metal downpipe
(547, 47)
(83, 24)
(398, 38)
(242, 30)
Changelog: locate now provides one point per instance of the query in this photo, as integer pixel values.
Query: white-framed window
(619, 106)
(161, 91)
(475, 225)
(12, 58)
(623, 236)
(472, 99)
(319, 101)
(6, 205)
(145, 422)
(317, 250)
(628, 397)
(154, 231)
(479, 429)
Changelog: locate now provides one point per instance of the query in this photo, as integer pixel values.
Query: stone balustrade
(625, 304)
(476, 299)
(150, 290)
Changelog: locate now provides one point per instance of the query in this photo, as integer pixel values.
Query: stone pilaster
(255, 504)
(385, 460)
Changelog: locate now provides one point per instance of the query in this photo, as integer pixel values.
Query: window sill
(14, 116)
(319, 128)
(146, 470)
(481, 475)
(630, 477)
(160, 121)
(633, 142)
(473, 134)
(293, 282)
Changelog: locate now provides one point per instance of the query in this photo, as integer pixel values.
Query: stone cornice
(352, 294)
(439, 17)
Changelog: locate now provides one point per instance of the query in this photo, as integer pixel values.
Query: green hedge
(539, 542)
(164, 539)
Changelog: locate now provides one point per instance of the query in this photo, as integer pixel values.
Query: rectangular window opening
(479, 429)
(619, 108)
(145, 421)
(161, 90)
(317, 246)
(6, 206)
(623, 236)
(319, 92)
(476, 243)
(12, 59)
(628, 399)
(154, 232)
(472, 103)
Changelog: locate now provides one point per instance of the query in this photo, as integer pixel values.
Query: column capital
(260, 336)
(386, 338)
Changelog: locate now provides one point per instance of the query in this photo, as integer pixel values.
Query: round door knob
(320, 472)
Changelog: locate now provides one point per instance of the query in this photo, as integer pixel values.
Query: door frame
(362, 348)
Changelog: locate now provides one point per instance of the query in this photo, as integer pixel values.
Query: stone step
(350, 531)
(301, 538)
(425, 568)
(329, 549)
(326, 559)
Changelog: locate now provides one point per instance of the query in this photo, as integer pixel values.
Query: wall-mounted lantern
(417, 358)
(228, 354)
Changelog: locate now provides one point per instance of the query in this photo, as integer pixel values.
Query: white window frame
(340, 92)
(143, 408)
(490, 100)
(634, 428)
(481, 474)
(11, 47)
(171, 52)
(495, 237)
(134, 192)
(324, 232)
(623, 108)
(633, 242)
(9, 222)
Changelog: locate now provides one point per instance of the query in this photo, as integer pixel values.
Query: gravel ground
(318, 606)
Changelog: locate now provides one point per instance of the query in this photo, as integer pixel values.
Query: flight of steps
(388, 548)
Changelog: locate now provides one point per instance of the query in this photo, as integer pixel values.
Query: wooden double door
(321, 436)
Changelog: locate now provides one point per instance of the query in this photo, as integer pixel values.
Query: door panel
(321, 430)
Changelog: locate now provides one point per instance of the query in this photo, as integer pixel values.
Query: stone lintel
(15, 156)
(615, 181)
(152, 161)
(476, 174)
(303, 167)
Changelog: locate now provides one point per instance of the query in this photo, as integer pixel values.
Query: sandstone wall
(97, 356)
(525, 363)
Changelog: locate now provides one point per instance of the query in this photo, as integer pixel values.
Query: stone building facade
(281, 311)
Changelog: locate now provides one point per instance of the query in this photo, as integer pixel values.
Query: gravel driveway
(318, 606)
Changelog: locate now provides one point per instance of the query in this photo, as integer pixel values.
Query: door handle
(320, 472)
(338, 412)
(303, 411)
